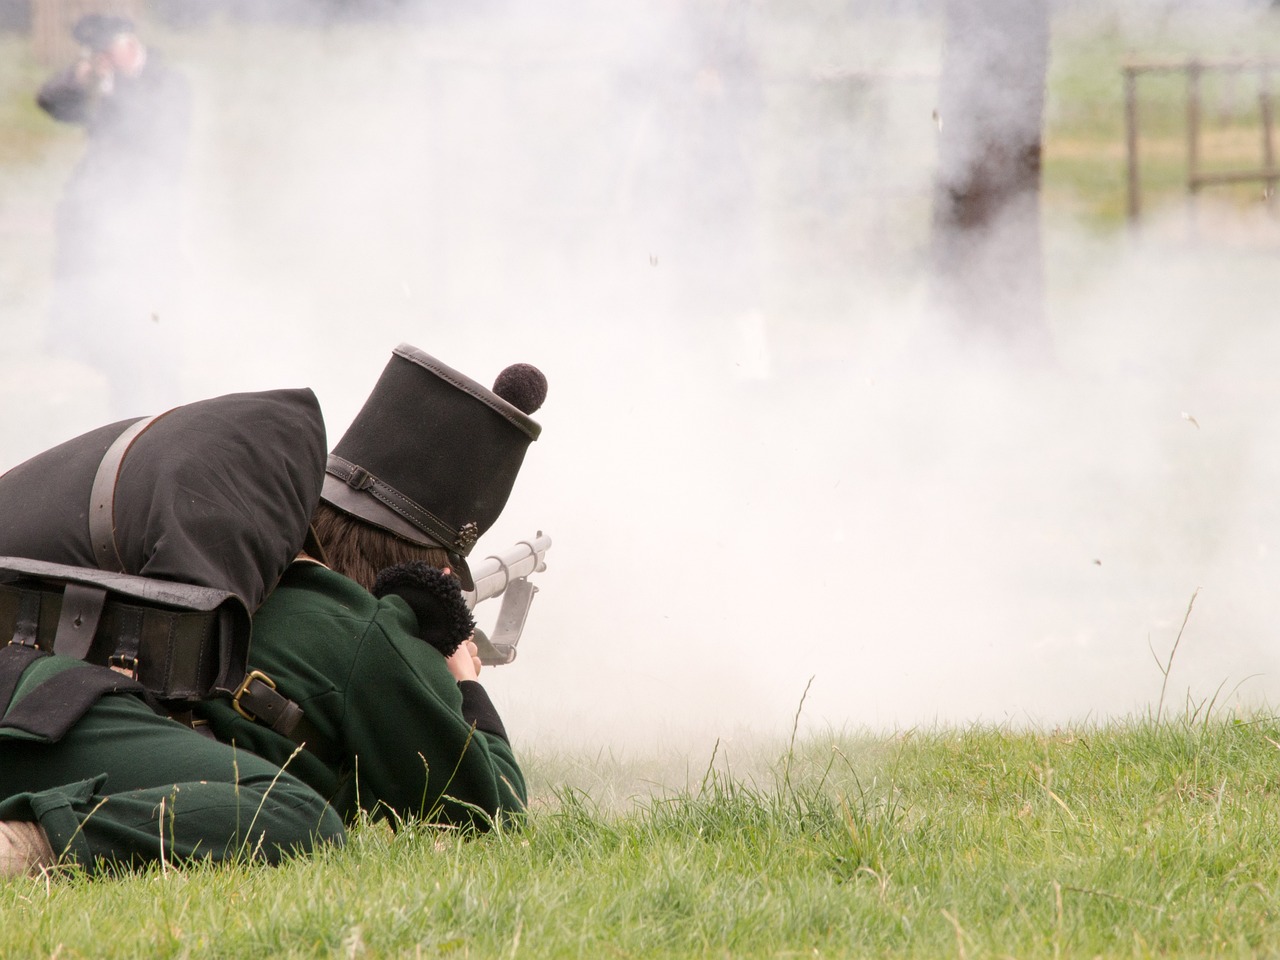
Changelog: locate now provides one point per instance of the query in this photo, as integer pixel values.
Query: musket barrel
(492, 574)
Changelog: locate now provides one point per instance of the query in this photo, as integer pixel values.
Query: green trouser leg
(127, 786)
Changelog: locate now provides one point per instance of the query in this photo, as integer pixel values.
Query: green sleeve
(416, 755)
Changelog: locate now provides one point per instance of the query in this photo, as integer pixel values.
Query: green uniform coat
(126, 785)
(388, 730)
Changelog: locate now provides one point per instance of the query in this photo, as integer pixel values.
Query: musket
(507, 575)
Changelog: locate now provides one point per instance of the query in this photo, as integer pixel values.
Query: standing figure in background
(116, 267)
(362, 692)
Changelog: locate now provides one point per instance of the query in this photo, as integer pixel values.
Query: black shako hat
(432, 455)
(97, 31)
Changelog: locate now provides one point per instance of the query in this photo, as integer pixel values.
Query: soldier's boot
(24, 848)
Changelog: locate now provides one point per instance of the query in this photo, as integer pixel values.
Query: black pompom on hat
(432, 455)
(523, 386)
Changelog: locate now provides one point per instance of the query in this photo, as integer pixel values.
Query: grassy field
(1128, 839)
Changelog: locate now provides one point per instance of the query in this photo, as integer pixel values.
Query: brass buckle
(128, 666)
(244, 688)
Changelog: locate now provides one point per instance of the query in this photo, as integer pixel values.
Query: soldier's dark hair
(360, 551)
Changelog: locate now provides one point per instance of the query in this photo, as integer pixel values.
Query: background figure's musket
(507, 574)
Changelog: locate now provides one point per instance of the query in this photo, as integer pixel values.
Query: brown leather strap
(102, 498)
(257, 700)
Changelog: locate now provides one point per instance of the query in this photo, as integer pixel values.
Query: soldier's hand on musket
(464, 663)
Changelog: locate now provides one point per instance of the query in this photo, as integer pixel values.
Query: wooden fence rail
(1194, 71)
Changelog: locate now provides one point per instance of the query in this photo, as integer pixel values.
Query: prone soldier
(391, 724)
(362, 689)
(116, 304)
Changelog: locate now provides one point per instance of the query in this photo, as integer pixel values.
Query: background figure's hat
(97, 30)
(432, 455)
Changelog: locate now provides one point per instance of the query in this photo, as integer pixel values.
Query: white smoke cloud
(751, 474)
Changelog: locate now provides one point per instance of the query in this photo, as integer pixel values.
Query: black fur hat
(432, 455)
(97, 31)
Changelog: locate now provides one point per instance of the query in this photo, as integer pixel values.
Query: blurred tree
(986, 230)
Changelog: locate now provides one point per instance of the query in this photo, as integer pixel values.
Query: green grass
(36, 157)
(27, 133)
(1135, 838)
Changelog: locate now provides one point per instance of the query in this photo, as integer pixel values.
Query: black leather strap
(78, 622)
(166, 648)
(26, 619)
(358, 478)
(128, 636)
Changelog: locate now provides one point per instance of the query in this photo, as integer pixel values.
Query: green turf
(1124, 839)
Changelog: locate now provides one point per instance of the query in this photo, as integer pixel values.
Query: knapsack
(144, 546)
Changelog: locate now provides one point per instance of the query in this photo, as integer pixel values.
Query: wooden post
(1268, 131)
(1131, 143)
(1193, 137)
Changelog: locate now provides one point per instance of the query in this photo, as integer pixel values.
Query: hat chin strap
(362, 495)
